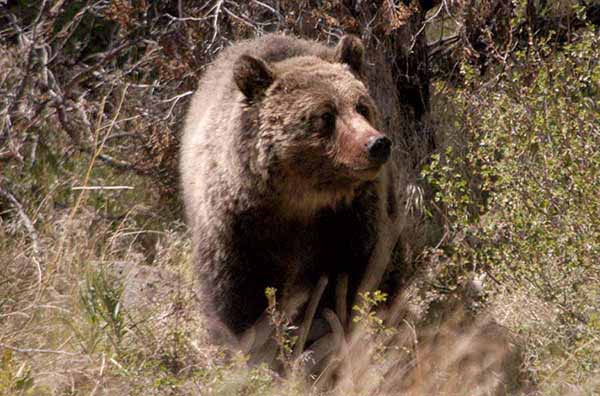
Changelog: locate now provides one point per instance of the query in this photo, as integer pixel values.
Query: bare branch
(217, 11)
(102, 188)
(37, 350)
(25, 220)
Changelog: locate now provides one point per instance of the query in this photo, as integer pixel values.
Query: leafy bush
(519, 185)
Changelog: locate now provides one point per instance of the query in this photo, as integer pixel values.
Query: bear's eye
(328, 120)
(362, 110)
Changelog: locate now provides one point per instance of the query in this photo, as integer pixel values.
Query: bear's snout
(379, 149)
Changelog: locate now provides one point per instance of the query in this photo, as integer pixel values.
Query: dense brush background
(502, 119)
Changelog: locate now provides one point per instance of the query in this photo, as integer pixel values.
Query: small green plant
(283, 330)
(15, 378)
(365, 311)
(100, 300)
(370, 322)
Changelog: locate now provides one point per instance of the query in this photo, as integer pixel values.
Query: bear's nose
(379, 149)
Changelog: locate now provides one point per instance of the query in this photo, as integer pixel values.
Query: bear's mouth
(367, 172)
(375, 168)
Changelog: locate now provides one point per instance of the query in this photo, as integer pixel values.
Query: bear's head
(315, 125)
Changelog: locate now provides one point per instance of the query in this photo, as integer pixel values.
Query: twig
(35, 245)
(424, 25)
(177, 97)
(104, 57)
(34, 145)
(216, 22)
(124, 135)
(96, 154)
(36, 350)
(102, 188)
(571, 356)
(115, 163)
(242, 20)
(175, 100)
(29, 67)
(268, 7)
(186, 19)
(75, 136)
(442, 45)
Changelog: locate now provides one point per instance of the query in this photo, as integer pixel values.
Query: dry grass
(98, 320)
(93, 312)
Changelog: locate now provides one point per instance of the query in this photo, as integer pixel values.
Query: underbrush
(97, 290)
(518, 184)
(98, 297)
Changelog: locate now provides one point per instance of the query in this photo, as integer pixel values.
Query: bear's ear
(252, 76)
(351, 51)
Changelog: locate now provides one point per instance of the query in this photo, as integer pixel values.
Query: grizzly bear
(285, 176)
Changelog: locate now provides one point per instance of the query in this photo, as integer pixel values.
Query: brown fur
(277, 192)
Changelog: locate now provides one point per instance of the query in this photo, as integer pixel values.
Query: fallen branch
(102, 188)
(36, 350)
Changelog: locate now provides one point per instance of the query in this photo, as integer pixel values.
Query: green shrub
(519, 185)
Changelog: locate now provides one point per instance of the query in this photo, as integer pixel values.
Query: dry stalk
(95, 156)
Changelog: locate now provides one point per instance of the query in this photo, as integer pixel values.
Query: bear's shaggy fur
(278, 183)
